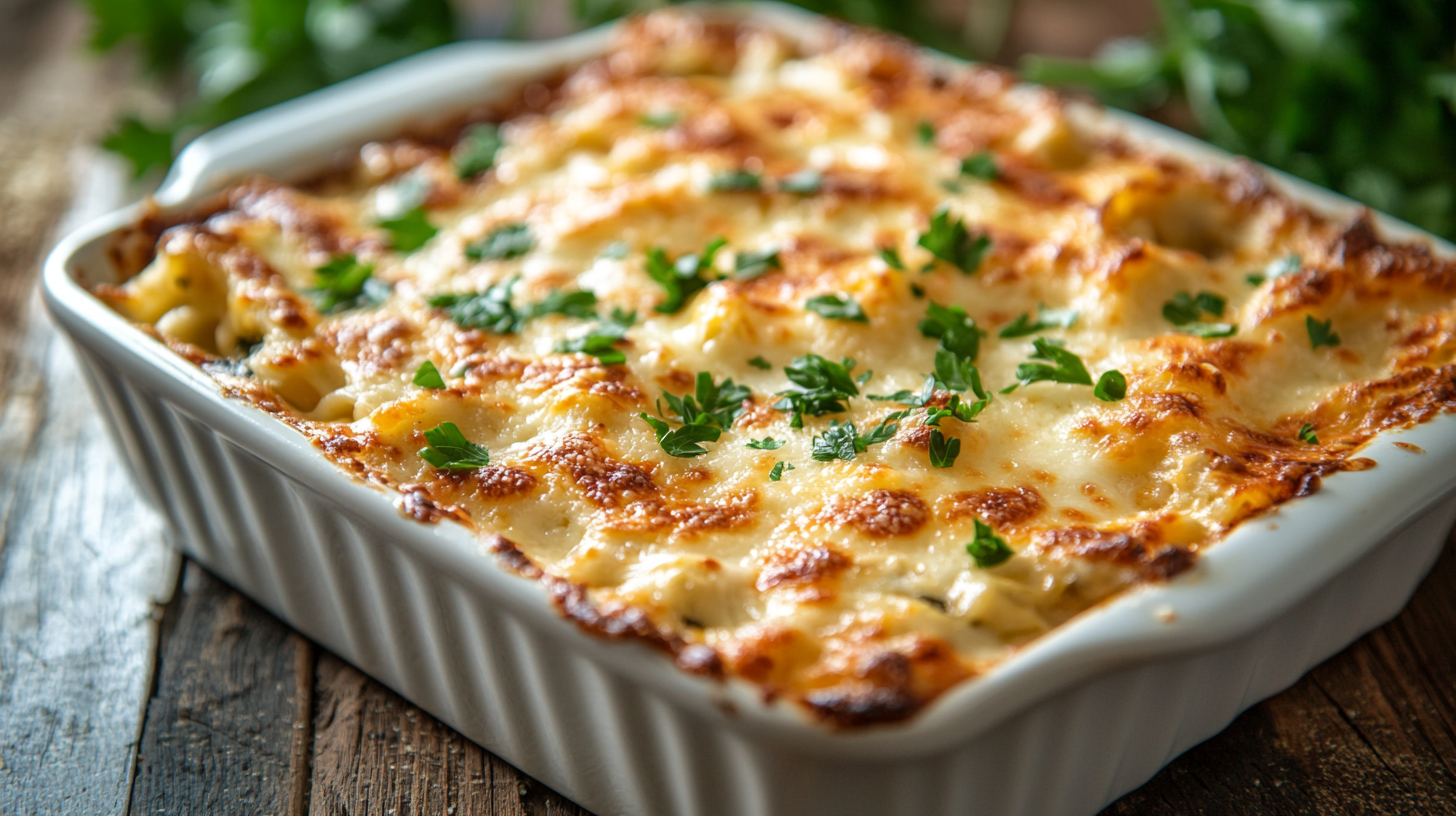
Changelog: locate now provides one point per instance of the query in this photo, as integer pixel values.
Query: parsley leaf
(1210, 329)
(836, 307)
(956, 373)
(819, 387)
(684, 277)
(750, 265)
(581, 303)
(446, 448)
(957, 332)
(943, 451)
(778, 471)
(1277, 268)
(804, 183)
(1062, 366)
(736, 181)
(891, 257)
(767, 443)
(956, 409)
(502, 244)
(1320, 333)
(981, 166)
(1024, 326)
(343, 283)
(684, 442)
(427, 376)
(1184, 309)
(490, 310)
(1307, 435)
(601, 342)
(140, 144)
(475, 153)
(715, 404)
(661, 120)
(951, 242)
(761, 364)
(925, 132)
(1110, 387)
(988, 549)
(842, 441)
(410, 231)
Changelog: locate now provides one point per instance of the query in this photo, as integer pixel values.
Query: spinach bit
(502, 244)
(986, 548)
(410, 231)
(736, 181)
(346, 283)
(1024, 326)
(475, 152)
(950, 242)
(761, 364)
(819, 387)
(842, 441)
(943, 450)
(1307, 435)
(778, 471)
(804, 183)
(981, 166)
(767, 443)
(446, 448)
(684, 277)
(1320, 333)
(750, 265)
(956, 331)
(704, 416)
(427, 376)
(1063, 366)
(601, 342)
(836, 307)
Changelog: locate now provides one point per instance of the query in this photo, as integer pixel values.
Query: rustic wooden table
(131, 682)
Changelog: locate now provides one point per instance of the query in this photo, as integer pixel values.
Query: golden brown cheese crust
(843, 585)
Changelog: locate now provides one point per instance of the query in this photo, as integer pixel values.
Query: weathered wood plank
(227, 729)
(377, 754)
(81, 558)
(1371, 730)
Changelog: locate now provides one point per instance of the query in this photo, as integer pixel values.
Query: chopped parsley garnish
(1278, 268)
(761, 364)
(943, 450)
(820, 387)
(427, 376)
(446, 448)
(841, 441)
(684, 277)
(502, 244)
(683, 442)
(767, 443)
(778, 471)
(736, 181)
(804, 182)
(704, 416)
(956, 331)
(1307, 435)
(1024, 326)
(988, 549)
(865, 377)
(343, 283)
(475, 153)
(750, 265)
(891, 257)
(981, 166)
(1210, 329)
(410, 231)
(1110, 387)
(1320, 333)
(925, 132)
(601, 343)
(493, 311)
(917, 290)
(836, 307)
(1061, 366)
(956, 409)
(582, 303)
(1184, 309)
(956, 373)
(662, 120)
(950, 241)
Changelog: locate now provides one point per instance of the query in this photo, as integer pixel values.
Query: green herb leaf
(410, 231)
(342, 284)
(925, 132)
(1320, 333)
(842, 441)
(141, 145)
(1062, 366)
(602, 341)
(1307, 435)
(981, 166)
(950, 241)
(778, 471)
(767, 443)
(943, 450)
(661, 120)
(761, 364)
(956, 331)
(836, 307)
(750, 265)
(1210, 329)
(988, 549)
(1277, 268)
(804, 182)
(502, 244)
(891, 257)
(1111, 386)
(1024, 326)
(446, 448)
(819, 387)
(475, 153)
(684, 277)
(712, 403)
(1184, 308)
(736, 181)
(954, 372)
(490, 310)
(917, 290)
(683, 442)
(427, 376)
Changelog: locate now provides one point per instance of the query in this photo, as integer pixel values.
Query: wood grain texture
(377, 754)
(81, 559)
(227, 729)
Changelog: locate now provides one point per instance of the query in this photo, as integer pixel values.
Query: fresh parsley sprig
(410, 231)
(601, 341)
(1024, 326)
(1185, 312)
(777, 472)
(446, 448)
(428, 376)
(842, 441)
(704, 415)
(1307, 434)
(1052, 363)
(981, 165)
(502, 244)
(684, 277)
(750, 265)
(957, 332)
(736, 181)
(494, 311)
(943, 449)
(986, 548)
(1321, 333)
(952, 243)
(819, 387)
(476, 151)
(346, 283)
(684, 442)
(803, 183)
(836, 307)
(767, 443)
(1277, 268)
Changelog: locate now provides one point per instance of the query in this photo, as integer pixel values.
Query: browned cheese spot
(879, 513)
(606, 481)
(1000, 507)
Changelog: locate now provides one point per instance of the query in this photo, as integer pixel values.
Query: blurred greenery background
(1356, 95)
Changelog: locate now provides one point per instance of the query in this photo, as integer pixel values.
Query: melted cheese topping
(846, 584)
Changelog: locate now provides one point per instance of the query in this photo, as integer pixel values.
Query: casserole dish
(420, 607)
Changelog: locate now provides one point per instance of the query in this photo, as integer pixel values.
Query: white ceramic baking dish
(1077, 718)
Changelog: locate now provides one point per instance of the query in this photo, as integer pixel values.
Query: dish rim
(1264, 567)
